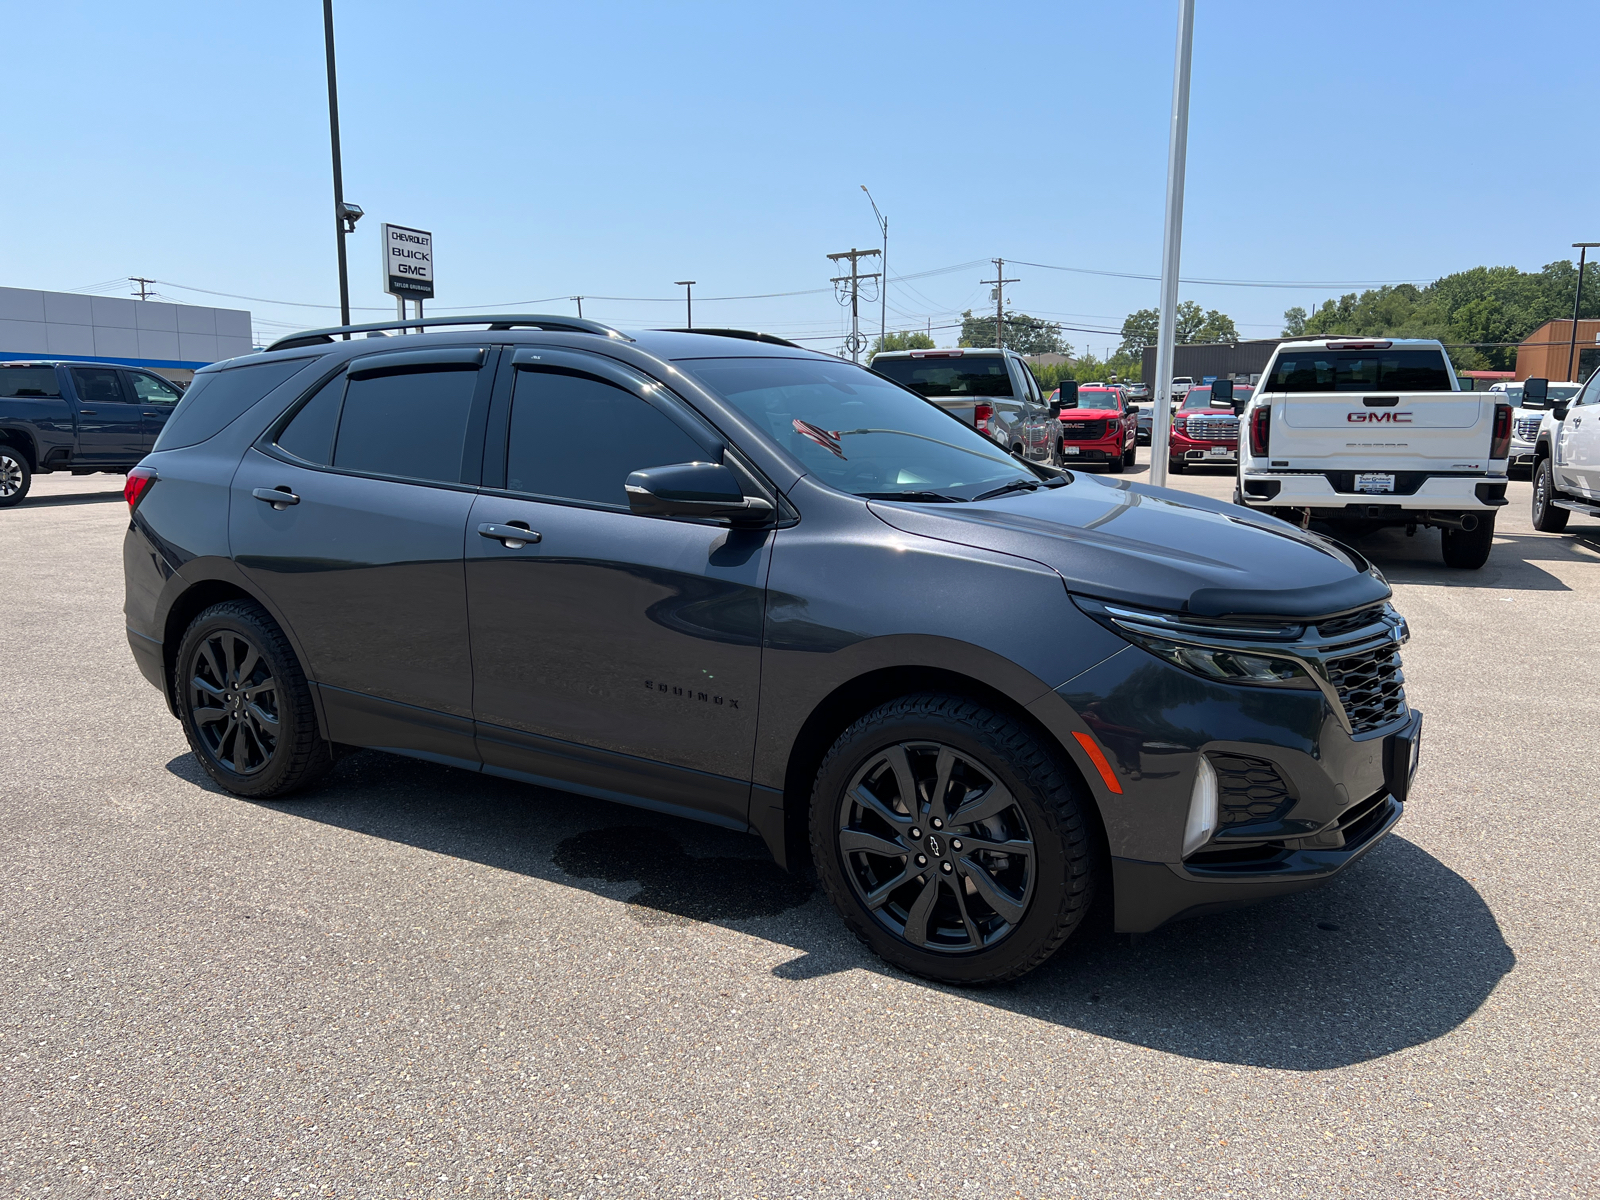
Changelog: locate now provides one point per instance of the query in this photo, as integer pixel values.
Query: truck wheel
(244, 703)
(954, 841)
(1176, 466)
(1547, 518)
(1116, 465)
(1131, 458)
(1468, 551)
(15, 476)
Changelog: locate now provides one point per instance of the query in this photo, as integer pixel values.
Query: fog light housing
(1202, 821)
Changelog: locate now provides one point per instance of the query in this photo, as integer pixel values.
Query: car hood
(1156, 548)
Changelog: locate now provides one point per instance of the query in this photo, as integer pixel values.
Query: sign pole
(1166, 336)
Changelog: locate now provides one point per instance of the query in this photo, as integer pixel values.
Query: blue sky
(610, 149)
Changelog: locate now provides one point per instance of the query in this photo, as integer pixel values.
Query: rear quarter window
(216, 399)
(28, 383)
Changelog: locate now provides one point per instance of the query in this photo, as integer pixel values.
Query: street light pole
(339, 221)
(1577, 300)
(883, 284)
(1166, 336)
(688, 300)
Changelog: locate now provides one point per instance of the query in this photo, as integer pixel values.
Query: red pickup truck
(1205, 430)
(1100, 429)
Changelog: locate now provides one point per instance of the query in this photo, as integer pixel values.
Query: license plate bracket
(1219, 452)
(1375, 483)
(1071, 449)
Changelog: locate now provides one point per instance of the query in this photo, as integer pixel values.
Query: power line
(1257, 283)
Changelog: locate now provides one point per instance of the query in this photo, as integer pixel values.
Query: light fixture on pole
(1166, 335)
(688, 301)
(883, 284)
(1583, 249)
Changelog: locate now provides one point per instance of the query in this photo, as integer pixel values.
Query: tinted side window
(412, 424)
(216, 398)
(309, 435)
(96, 386)
(147, 389)
(576, 438)
(1591, 390)
(28, 381)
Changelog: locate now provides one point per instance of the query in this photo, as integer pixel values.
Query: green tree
(1194, 325)
(1024, 334)
(912, 340)
(1294, 321)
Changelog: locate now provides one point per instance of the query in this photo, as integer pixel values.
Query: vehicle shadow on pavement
(72, 498)
(1397, 952)
(1513, 562)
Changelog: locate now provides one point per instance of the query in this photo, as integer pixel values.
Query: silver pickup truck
(993, 390)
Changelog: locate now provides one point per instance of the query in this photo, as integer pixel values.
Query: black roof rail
(499, 322)
(748, 335)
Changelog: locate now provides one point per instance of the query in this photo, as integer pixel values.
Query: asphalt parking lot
(418, 982)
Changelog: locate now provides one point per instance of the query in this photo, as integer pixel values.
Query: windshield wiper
(925, 497)
(1017, 485)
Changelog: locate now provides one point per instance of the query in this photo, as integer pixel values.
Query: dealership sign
(408, 262)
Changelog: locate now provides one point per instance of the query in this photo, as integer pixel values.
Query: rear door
(109, 433)
(1440, 431)
(156, 399)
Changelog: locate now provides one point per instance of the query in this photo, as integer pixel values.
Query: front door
(613, 654)
(363, 560)
(156, 399)
(1580, 435)
(108, 419)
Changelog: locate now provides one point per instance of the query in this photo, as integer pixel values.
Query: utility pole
(579, 299)
(1171, 252)
(883, 287)
(1577, 300)
(856, 342)
(999, 281)
(144, 285)
(343, 218)
(688, 301)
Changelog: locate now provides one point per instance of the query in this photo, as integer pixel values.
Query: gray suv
(990, 389)
(778, 593)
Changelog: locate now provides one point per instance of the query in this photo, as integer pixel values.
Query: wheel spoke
(1010, 911)
(973, 845)
(241, 761)
(209, 715)
(859, 839)
(876, 898)
(901, 765)
(255, 689)
(209, 651)
(867, 800)
(966, 918)
(252, 656)
(921, 909)
(207, 687)
(993, 801)
(941, 784)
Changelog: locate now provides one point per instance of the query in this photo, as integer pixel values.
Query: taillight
(1261, 431)
(982, 415)
(1500, 443)
(139, 482)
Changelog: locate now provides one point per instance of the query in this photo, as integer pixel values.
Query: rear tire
(995, 914)
(1468, 551)
(1176, 466)
(245, 705)
(16, 477)
(1547, 518)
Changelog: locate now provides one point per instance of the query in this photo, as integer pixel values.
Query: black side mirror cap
(1055, 409)
(696, 489)
(1535, 390)
(1221, 392)
(1559, 409)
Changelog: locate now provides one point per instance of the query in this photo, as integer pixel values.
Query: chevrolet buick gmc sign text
(408, 262)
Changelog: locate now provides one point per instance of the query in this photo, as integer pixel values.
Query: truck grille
(1333, 627)
(1213, 429)
(1251, 789)
(1370, 686)
(1083, 431)
(1528, 428)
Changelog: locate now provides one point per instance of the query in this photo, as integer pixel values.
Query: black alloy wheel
(953, 839)
(15, 477)
(245, 705)
(1547, 518)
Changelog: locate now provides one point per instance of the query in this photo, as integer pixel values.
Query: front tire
(245, 705)
(1468, 551)
(1547, 518)
(16, 477)
(1176, 466)
(954, 840)
(1130, 457)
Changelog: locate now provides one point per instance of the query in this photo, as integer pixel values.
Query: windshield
(1200, 397)
(1558, 391)
(1102, 398)
(948, 375)
(1319, 370)
(858, 432)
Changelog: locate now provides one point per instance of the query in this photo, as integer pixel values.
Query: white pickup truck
(1566, 455)
(1364, 433)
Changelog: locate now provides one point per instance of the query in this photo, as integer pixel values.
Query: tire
(1547, 518)
(1116, 465)
(1130, 457)
(1176, 466)
(16, 477)
(1468, 551)
(921, 917)
(230, 727)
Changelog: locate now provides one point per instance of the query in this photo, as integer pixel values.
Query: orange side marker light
(1098, 758)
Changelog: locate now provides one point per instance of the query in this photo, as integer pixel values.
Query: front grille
(1213, 429)
(1083, 431)
(1527, 428)
(1370, 687)
(1250, 790)
(1333, 627)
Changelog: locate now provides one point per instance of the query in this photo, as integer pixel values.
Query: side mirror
(695, 489)
(1536, 393)
(1222, 392)
(1560, 408)
(1069, 394)
(1055, 410)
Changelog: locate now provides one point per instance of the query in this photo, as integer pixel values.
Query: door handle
(279, 497)
(512, 537)
(87, 412)
(150, 414)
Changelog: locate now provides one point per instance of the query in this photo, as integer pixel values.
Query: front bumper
(1312, 489)
(1105, 450)
(1521, 454)
(1188, 449)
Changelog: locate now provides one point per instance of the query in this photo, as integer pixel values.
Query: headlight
(1228, 650)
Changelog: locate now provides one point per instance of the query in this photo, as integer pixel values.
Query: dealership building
(174, 340)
